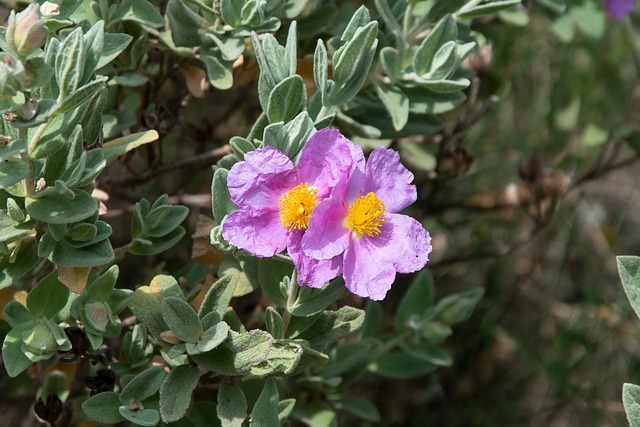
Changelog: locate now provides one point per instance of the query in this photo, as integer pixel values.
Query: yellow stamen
(296, 206)
(365, 215)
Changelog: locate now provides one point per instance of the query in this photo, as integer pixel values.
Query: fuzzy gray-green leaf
(232, 405)
(176, 391)
(182, 319)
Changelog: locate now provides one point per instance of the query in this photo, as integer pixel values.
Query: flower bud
(26, 31)
(39, 343)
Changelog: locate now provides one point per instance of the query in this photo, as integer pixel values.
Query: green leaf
(358, 406)
(285, 407)
(285, 99)
(446, 30)
(213, 337)
(360, 18)
(81, 95)
(94, 44)
(182, 319)
(238, 354)
(145, 417)
(231, 11)
(629, 271)
(316, 414)
(12, 172)
(312, 300)
(232, 405)
(219, 70)
(231, 47)
(48, 297)
(347, 356)
(176, 392)
(220, 198)
(13, 356)
(93, 255)
(283, 358)
(265, 410)
(274, 323)
(272, 272)
(218, 296)
(187, 27)
(103, 408)
(145, 13)
(350, 58)
(117, 147)
(38, 72)
(291, 49)
(400, 365)
(162, 220)
(245, 269)
(589, 18)
(416, 300)
(145, 303)
(374, 317)
(70, 63)
(57, 209)
(390, 61)
(457, 308)
(486, 9)
(241, 146)
(114, 45)
(331, 326)
(396, 103)
(427, 352)
(444, 62)
(25, 262)
(631, 401)
(15, 313)
(143, 385)
(320, 71)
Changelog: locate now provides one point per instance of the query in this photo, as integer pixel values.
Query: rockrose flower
(276, 198)
(619, 8)
(359, 230)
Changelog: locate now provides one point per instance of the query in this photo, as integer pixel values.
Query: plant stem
(28, 184)
(293, 295)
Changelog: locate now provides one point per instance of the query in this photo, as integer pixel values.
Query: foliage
(95, 94)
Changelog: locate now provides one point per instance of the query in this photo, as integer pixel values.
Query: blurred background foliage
(529, 190)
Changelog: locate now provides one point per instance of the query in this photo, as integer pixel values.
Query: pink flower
(276, 198)
(619, 8)
(359, 231)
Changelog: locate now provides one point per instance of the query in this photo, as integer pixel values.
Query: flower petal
(326, 236)
(325, 159)
(409, 242)
(257, 231)
(389, 180)
(619, 8)
(366, 271)
(261, 178)
(312, 272)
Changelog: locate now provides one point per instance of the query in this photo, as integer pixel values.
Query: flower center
(296, 206)
(365, 215)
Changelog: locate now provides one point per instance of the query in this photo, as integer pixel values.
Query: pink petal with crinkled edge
(389, 180)
(619, 8)
(311, 272)
(409, 242)
(256, 230)
(357, 181)
(261, 178)
(325, 160)
(367, 269)
(326, 236)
